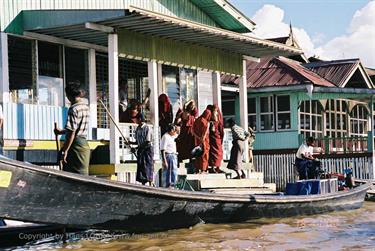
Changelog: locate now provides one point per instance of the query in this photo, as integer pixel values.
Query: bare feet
(218, 170)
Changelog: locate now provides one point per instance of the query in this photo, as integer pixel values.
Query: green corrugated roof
(225, 19)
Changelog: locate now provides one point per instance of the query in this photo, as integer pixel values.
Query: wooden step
(241, 191)
(210, 176)
(230, 183)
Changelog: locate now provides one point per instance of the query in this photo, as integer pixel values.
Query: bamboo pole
(118, 128)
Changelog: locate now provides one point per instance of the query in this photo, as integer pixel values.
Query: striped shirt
(78, 119)
(238, 133)
(143, 133)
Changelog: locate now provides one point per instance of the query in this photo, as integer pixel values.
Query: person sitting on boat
(145, 153)
(169, 155)
(75, 153)
(239, 136)
(305, 161)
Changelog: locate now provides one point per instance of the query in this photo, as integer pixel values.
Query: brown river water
(349, 230)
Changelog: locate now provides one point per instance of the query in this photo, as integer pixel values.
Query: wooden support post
(113, 97)
(4, 68)
(371, 145)
(243, 106)
(154, 105)
(216, 88)
(92, 89)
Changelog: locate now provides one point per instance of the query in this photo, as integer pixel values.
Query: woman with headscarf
(201, 132)
(131, 113)
(185, 140)
(216, 139)
(165, 113)
(239, 136)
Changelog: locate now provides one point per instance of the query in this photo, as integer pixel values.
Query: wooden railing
(342, 145)
(128, 129)
(279, 168)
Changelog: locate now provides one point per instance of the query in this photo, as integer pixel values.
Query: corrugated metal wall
(167, 50)
(205, 90)
(36, 122)
(9, 9)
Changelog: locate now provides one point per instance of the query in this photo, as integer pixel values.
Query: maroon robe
(185, 141)
(165, 113)
(200, 131)
(216, 140)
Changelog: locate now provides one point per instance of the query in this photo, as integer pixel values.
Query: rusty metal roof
(281, 40)
(335, 71)
(278, 71)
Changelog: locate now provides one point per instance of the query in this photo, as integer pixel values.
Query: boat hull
(41, 195)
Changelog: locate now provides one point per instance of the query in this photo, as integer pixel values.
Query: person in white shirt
(169, 155)
(305, 161)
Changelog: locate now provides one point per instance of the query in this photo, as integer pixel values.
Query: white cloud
(318, 38)
(270, 23)
(358, 42)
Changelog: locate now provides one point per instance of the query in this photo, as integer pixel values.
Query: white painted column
(152, 67)
(243, 106)
(216, 88)
(4, 68)
(92, 89)
(113, 97)
(371, 125)
(160, 78)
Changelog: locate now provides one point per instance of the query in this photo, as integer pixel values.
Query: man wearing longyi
(75, 153)
(305, 161)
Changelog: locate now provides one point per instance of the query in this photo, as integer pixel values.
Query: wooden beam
(67, 42)
(113, 97)
(99, 27)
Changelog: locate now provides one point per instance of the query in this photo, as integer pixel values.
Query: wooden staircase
(222, 183)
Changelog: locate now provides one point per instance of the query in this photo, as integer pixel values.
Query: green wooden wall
(151, 47)
(289, 139)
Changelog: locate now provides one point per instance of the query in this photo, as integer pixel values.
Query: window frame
(253, 114)
(272, 106)
(226, 117)
(35, 67)
(312, 131)
(277, 112)
(358, 120)
(336, 113)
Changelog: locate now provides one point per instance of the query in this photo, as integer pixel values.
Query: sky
(329, 29)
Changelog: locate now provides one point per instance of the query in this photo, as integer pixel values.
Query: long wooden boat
(41, 195)
(19, 233)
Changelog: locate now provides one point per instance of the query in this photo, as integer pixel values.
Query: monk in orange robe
(216, 139)
(186, 141)
(201, 132)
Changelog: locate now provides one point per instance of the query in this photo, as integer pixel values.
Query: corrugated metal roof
(151, 23)
(281, 40)
(278, 71)
(186, 9)
(336, 71)
(226, 15)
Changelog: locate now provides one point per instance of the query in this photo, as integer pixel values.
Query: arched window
(358, 121)
(336, 118)
(311, 119)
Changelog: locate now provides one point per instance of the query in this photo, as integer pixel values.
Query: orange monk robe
(200, 131)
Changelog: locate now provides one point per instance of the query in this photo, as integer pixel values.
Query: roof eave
(242, 18)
